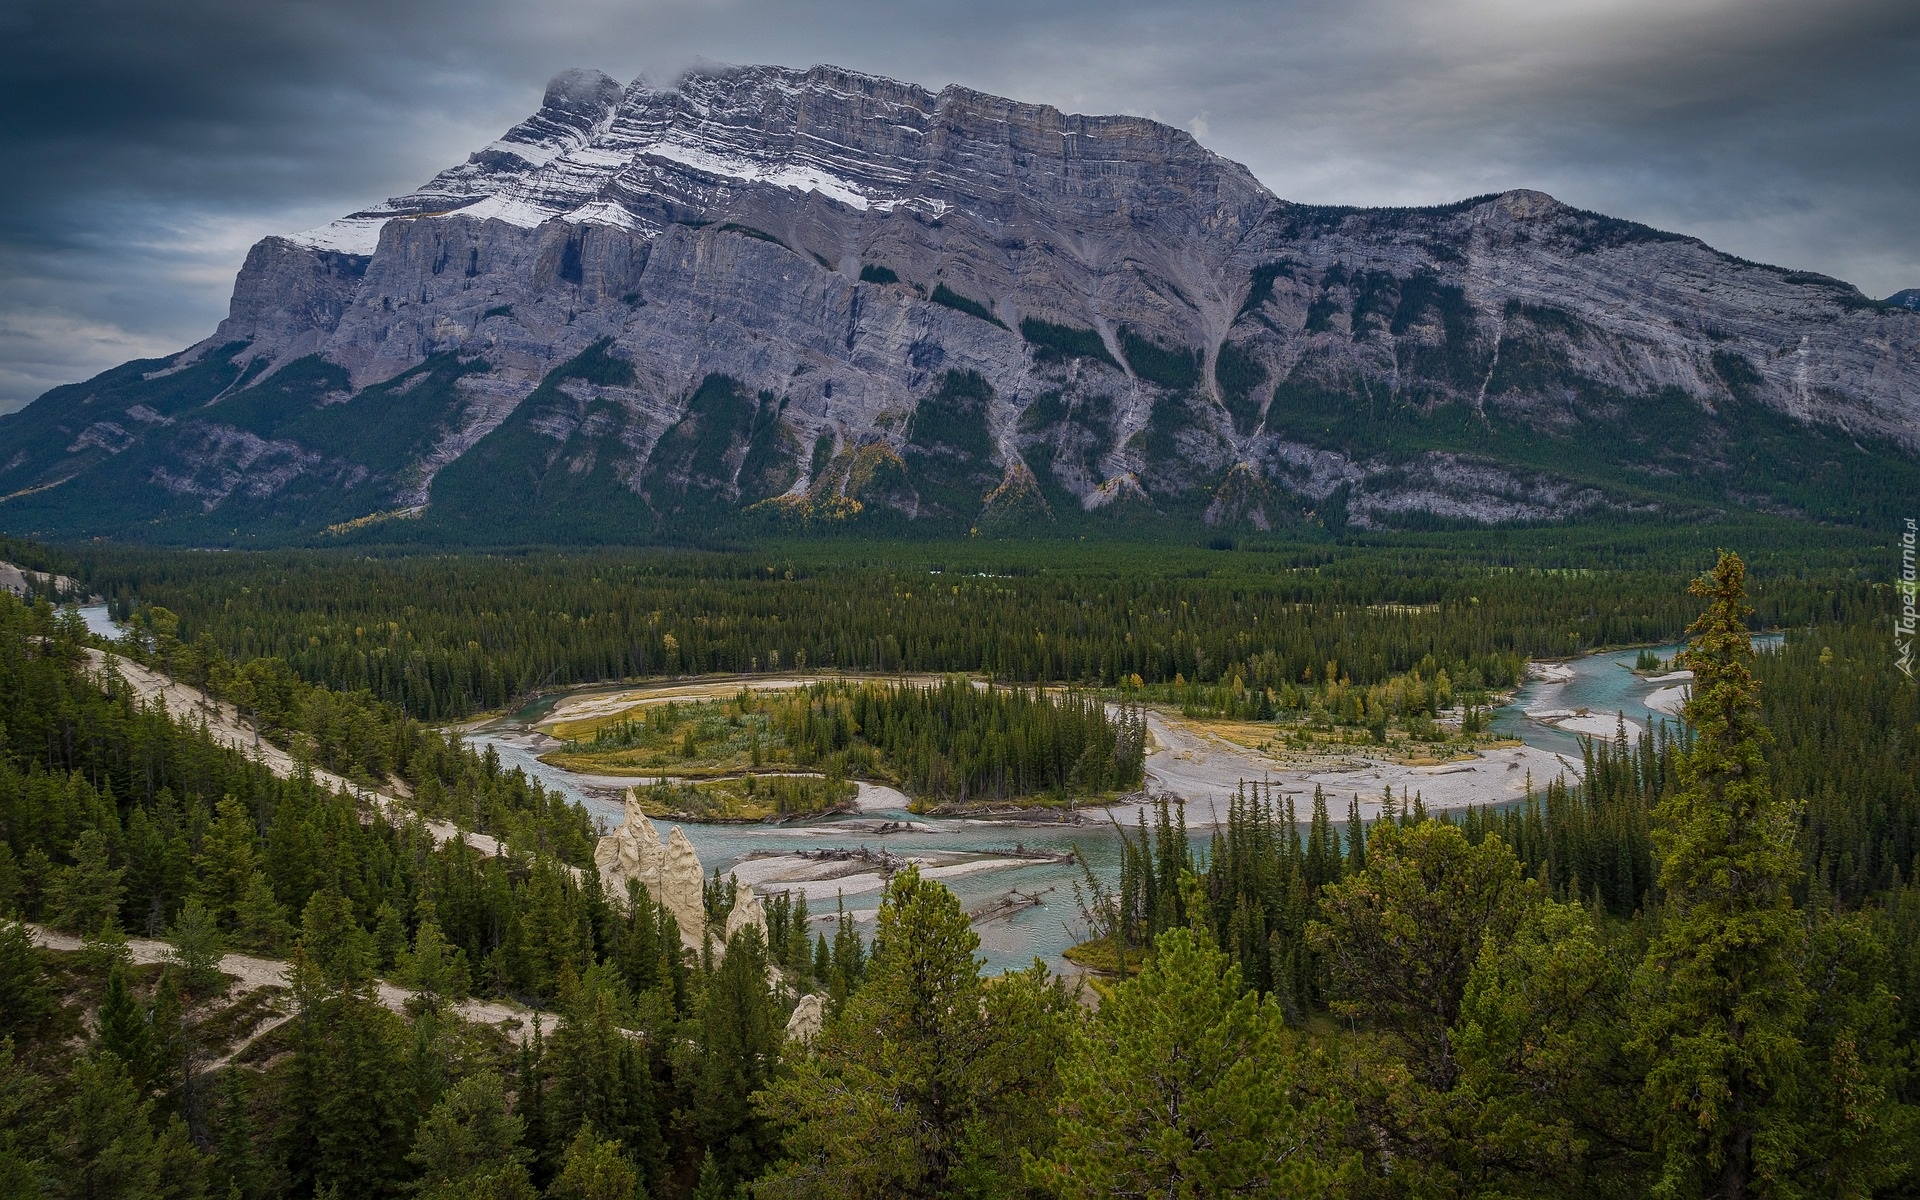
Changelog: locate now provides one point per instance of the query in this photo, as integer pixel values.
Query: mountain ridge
(769, 298)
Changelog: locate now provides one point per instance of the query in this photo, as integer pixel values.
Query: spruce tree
(24, 1169)
(236, 1167)
(334, 942)
(595, 1169)
(434, 968)
(601, 1075)
(107, 1146)
(122, 1029)
(1399, 939)
(739, 1038)
(389, 937)
(470, 1146)
(1723, 1001)
(226, 862)
(197, 948)
(26, 997)
(260, 922)
(86, 896)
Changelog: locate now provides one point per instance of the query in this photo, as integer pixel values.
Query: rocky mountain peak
(584, 91)
(780, 296)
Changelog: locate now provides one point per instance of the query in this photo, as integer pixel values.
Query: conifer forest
(274, 925)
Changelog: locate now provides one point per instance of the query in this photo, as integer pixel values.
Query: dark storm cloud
(146, 146)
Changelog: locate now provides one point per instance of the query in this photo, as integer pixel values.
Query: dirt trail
(227, 727)
(251, 974)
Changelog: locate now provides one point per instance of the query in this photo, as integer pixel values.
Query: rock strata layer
(786, 298)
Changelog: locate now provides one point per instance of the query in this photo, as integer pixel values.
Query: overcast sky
(146, 145)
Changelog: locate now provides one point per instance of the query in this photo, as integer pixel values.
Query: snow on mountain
(818, 293)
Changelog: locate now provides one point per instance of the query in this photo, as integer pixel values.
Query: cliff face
(821, 297)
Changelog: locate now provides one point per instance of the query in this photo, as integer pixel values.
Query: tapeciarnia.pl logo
(1905, 622)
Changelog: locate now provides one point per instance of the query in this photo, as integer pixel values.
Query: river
(1202, 773)
(1601, 683)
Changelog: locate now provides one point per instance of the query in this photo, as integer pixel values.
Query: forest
(446, 636)
(947, 744)
(1695, 971)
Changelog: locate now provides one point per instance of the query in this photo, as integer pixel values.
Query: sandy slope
(251, 974)
(227, 727)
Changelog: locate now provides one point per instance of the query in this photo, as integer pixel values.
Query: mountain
(773, 299)
(1908, 298)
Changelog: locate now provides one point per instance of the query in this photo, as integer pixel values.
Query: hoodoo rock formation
(670, 871)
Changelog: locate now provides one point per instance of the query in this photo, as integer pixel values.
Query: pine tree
(23, 1168)
(86, 896)
(107, 1146)
(530, 1098)
(173, 1040)
(594, 1169)
(236, 1168)
(1399, 939)
(260, 921)
(1544, 1104)
(434, 968)
(638, 951)
(601, 1076)
(197, 948)
(364, 1113)
(122, 1030)
(739, 1038)
(1724, 1002)
(469, 1145)
(1187, 1084)
(226, 863)
(389, 937)
(26, 997)
(926, 1078)
(334, 942)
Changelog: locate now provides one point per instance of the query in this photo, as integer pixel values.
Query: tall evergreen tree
(601, 1075)
(595, 1169)
(197, 948)
(236, 1166)
(26, 996)
(1723, 999)
(228, 856)
(86, 896)
(739, 1038)
(107, 1147)
(121, 1029)
(23, 1167)
(434, 968)
(1399, 939)
(260, 921)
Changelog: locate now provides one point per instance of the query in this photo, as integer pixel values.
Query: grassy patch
(747, 798)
